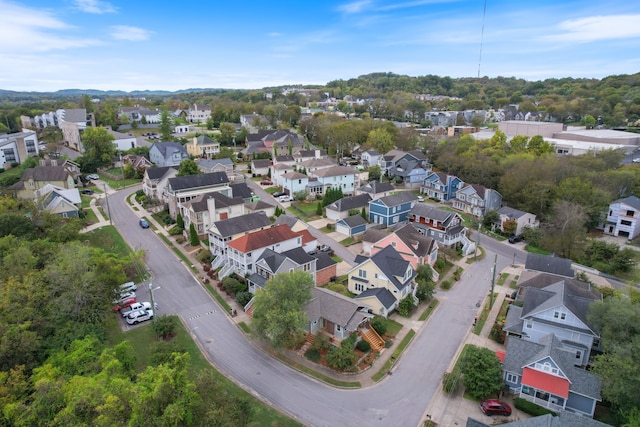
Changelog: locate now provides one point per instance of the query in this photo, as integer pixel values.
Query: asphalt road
(398, 400)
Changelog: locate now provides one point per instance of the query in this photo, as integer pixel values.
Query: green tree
(374, 173)
(381, 140)
(188, 167)
(425, 285)
(165, 126)
(481, 372)
(98, 145)
(165, 326)
(227, 133)
(342, 357)
(406, 306)
(179, 221)
(193, 236)
(319, 208)
(363, 213)
(278, 313)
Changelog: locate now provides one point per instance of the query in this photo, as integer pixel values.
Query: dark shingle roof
(549, 264)
(347, 203)
(632, 201)
(419, 244)
(198, 181)
(158, 173)
(376, 187)
(354, 221)
(46, 173)
(199, 203)
(273, 259)
(383, 295)
(261, 163)
(335, 308)
(323, 261)
(392, 265)
(168, 148)
(298, 255)
(399, 198)
(241, 224)
(511, 212)
(240, 189)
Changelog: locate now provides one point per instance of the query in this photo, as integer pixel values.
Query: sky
(48, 45)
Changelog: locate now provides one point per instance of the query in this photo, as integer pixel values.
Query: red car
(495, 407)
(124, 304)
(266, 182)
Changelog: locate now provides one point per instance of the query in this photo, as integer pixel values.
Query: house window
(359, 287)
(393, 244)
(625, 222)
(362, 274)
(512, 378)
(529, 324)
(630, 213)
(578, 354)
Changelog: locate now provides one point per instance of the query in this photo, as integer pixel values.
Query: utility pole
(475, 253)
(493, 281)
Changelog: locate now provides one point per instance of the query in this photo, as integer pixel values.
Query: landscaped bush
(233, 286)
(175, 231)
(446, 284)
(531, 408)
(321, 342)
(388, 343)
(350, 341)
(242, 298)
(341, 358)
(313, 355)
(378, 324)
(450, 382)
(363, 346)
(163, 351)
(439, 265)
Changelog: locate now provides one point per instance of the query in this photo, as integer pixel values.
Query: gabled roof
(286, 219)
(549, 264)
(204, 140)
(240, 189)
(258, 205)
(306, 236)
(212, 163)
(46, 173)
(392, 265)
(323, 261)
(285, 158)
(261, 163)
(262, 238)
(374, 234)
(199, 203)
(376, 187)
(158, 173)
(632, 201)
(294, 175)
(167, 148)
(347, 203)
(198, 181)
(335, 308)
(383, 295)
(511, 212)
(241, 224)
(298, 255)
(334, 171)
(273, 259)
(426, 210)
(420, 245)
(317, 163)
(354, 221)
(398, 199)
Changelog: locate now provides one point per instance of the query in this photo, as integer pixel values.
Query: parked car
(420, 199)
(124, 304)
(636, 160)
(144, 223)
(325, 248)
(128, 287)
(135, 307)
(279, 193)
(123, 296)
(515, 239)
(87, 192)
(139, 316)
(93, 176)
(495, 407)
(286, 198)
(266, 182)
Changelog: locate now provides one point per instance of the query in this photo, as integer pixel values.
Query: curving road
(399, 400)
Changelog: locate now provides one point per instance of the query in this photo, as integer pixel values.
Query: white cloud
(596, 28)
(95, 6)
(275, 34)
(126, 32)
(355, 7)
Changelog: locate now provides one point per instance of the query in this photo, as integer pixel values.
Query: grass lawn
(108, 239)
(271, 190)
(143, 339)
(427, 311)
(117, 183)
(536, 250)
(347, 242)
(514, 283)
(483, 316)
(393, 327)
(503, 278)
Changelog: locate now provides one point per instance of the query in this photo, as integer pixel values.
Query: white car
(123, 296)
(420, 199)
(128, 287)
(636, 160)
(93, 176)
(134, 307)
(139, 316)
(286, 198)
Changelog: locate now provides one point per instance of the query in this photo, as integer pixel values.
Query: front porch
(542, 398)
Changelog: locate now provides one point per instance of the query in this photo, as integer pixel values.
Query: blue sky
(129, 45)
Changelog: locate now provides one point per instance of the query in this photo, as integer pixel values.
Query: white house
(521, 218)
(334, 177)
(294, 182)
(122, 141)
(623, 218)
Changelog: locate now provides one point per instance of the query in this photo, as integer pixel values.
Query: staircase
(226, 270)
(249, 307)
(218, 262)
(372, 337)
(467, 245)
(308, 342)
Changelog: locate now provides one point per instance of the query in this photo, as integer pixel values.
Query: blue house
(441, 186)
(410, 172)
(392, 210)
(167, 154)
(352, 226)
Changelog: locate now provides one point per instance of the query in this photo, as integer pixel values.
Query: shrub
(165, 326)
(379, 325)
(439, 265)
(313, 355)
(242, 298)
(233, 286)
(363, 346)
(175, 231)
(450, 382)
(388, 343)
(531, 408)
(446, 284)
(162, 351)
(321, 342)
(342, 357)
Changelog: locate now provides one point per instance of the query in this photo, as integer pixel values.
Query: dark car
(515, 239)
(144, 223)
(279, 193)
(87, 192)
(495, 407)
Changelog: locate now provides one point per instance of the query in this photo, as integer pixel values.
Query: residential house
(287, 159)
(216, 165)
(313, 165)
(382, 281)
(198, 113)
(155, 179)
(335, 314)
(411, 245)
(138, 162)
(270, 263)
(122, 141)
(326, 268)
(371, 236)
(241, 189)
(181, 129)
(138, 114)
(37, 178)
(243, 252)
(278, 170)
(376, 189)
(477, 200)
(441, 186)
(623, 218)
(294, 223)
(184, 188)
(72, 167)
(203, 146)
(17, 147)
(558, 306)
(260, 206)
(333, 177)
(392, 210)
(274, 142)
(393, 157)
(544, 373)
(223, 231)
(341, 209)
(59, 201)
(444, 226)
(303, 155)
(520, 218)
(204, 209)
(254, 122)
(167, 154)
(352, 226)
(550, 264)
(411, 173)
(294, 182)
(370, 158)
(260, 167)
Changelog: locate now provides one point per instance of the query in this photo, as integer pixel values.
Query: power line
(484, 13)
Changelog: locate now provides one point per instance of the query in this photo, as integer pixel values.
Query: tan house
(382, 281)
(37, 178)
(202, 146)
(203, 210)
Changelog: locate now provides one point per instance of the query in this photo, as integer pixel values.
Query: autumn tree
(278, 314)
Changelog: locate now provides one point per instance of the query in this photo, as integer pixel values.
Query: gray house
(340, 208)
(167, 153)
